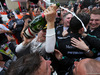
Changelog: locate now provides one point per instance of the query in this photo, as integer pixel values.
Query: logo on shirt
(58, 32)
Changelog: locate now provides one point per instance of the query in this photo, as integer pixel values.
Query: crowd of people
(62, 46)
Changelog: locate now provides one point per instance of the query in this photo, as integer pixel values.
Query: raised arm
(25, 44)
(50, 15)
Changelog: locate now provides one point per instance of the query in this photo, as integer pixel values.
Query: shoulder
(10, 21)
(19, 20)
(58, 27)
(97, 29)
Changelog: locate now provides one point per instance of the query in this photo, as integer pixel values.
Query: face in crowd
(12, 17)
(30, 64)
(79, 68)
(37, 11)
(67, 20)
(45, 68)
(94, 21)
(42, 35)
(63, 11)
(86, 66)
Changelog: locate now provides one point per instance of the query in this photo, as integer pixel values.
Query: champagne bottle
(36, 25)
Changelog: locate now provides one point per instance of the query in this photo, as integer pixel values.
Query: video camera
(58, 18)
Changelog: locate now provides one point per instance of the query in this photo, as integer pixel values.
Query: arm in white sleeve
(3, 27)
(21, 47)
(50, 40)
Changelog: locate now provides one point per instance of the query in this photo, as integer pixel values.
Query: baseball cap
(11, 15)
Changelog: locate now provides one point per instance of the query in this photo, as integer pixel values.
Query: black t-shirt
(71, 53)
(64, 45)
(16, 31)
(96, 32)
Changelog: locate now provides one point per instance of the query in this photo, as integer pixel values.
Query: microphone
(34, 1)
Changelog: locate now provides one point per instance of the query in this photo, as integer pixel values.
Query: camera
(59, 13)
(58, 18)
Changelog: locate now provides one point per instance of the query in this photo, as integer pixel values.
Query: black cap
(11, 15)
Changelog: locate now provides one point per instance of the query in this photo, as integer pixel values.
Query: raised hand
(65, 33)
(14, 25)
(26, 41)
(58, 54)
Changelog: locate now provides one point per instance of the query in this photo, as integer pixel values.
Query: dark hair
(26, 65)
(96, 11)
(75, 24)
(26, 16)
(66, 14)
(8, 16)
(17, 12)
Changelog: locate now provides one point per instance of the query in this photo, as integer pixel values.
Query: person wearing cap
(32, 45)
(39, 42)
(8, 16)
(16, 25)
